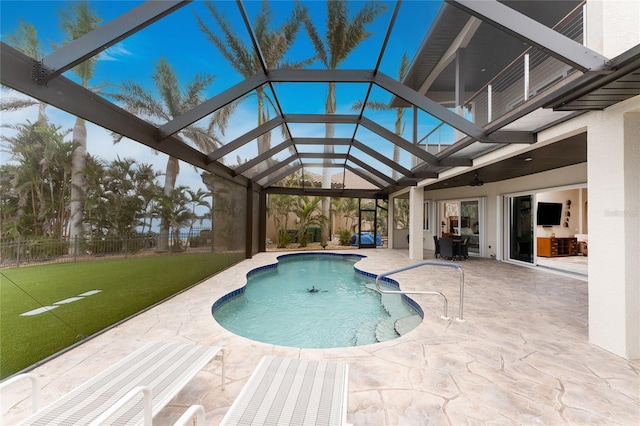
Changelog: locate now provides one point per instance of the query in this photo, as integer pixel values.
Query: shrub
(343, 236)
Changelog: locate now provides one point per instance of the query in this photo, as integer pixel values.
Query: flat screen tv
(549, 214)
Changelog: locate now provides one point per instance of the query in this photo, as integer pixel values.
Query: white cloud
(114, 53)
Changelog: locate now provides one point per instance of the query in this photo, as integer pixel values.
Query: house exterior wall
(493, 229)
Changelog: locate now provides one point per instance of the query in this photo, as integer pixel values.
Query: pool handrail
(430, 263)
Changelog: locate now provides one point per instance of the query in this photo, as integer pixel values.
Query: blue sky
(178, 39)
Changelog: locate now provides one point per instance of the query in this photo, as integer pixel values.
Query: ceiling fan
(476, 181)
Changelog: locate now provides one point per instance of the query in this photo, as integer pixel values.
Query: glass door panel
(470, 224)
(521, 229)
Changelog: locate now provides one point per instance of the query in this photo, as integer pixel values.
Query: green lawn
(128, 286)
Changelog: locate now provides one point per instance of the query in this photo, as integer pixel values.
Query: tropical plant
(343, 35)
(344, 235)
(75, 23)
(175, 212)
(346, 208)
(173, 102)
(196, 199)
(401, 211)
(26, 41)
(38, 186)
(148, 190)
(274, 45)
(309, 214)
(114, 206)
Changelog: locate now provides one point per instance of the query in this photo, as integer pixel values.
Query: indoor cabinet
(551, 247)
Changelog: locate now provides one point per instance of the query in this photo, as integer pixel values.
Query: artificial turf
(127, 287)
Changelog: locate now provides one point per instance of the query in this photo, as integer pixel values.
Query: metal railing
(29, 251)
(437, 293)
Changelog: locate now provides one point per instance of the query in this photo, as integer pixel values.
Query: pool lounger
(162, 368)
(285, 391)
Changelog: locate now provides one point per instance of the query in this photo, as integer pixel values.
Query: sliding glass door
(521, 228)
(463, 218)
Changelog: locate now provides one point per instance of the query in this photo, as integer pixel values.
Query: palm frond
(337, 27)
(373, 105)
(234, 50)
(356, 31)
(25, 39)
(15, 104)
(316, 40)
(166, 82)
(194, 93)
(220, 117)
(139, 101)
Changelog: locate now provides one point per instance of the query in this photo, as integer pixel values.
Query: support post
(416, 201)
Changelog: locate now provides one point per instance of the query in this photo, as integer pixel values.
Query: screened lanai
(284, 98)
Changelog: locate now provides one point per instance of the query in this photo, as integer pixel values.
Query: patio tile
(521, 357)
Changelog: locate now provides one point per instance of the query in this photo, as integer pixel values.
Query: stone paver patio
(521, 357)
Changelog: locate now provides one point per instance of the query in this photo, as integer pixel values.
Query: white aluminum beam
(399, 141)
(275, 167)
(326, 192)
(245, 139)
(320, 76)
(262, 157)
(430, 107)
(94, 42)
(372, 170)
(285, 172)
(375, 154)
(364, 176)
(211, 105)
(322, 141)
(533, 32)
(322, 118)
(80, 102)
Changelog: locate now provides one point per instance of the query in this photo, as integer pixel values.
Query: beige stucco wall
(552, 180)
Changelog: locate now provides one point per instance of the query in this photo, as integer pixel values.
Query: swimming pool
(315, 300)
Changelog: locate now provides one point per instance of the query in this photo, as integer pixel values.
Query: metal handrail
(431, 263)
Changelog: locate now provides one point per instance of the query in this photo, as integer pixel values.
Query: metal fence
(23, 252)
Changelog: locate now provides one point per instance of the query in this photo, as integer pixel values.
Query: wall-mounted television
(549, 214)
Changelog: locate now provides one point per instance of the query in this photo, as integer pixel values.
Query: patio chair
(158, 371)
(463, 252)
(286, 391)
(447, 248)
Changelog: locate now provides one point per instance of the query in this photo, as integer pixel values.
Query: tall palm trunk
(326, 171)
(78, 186)
(263, 141)
(170, 177)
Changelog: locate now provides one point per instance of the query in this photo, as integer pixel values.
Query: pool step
(386, 330)
(366, 334)
(406, 324)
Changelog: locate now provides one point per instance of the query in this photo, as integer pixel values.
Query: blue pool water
(277, 307)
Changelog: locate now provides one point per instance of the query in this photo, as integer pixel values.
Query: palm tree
(40, 183)
(26, 41)
(380, 106)
(343, 36)
(194, 200)
(173, 102)
(346, 208)
(308, 211)
(148, 190)
(274, 45)
(80, 20)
